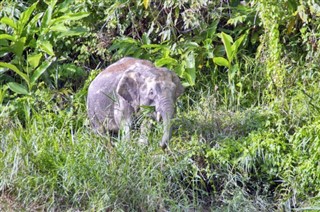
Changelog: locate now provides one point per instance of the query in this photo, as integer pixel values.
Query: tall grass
(50, 162)
(248, 160)
(53, 165)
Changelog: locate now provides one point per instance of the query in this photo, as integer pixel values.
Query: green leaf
(227, 40)
(8, 21)
(34, 59)
(190, 75)
(16, 70)
(166, 61)
(40, 70)
(18, 46)
(220, 61)
(145, 39)
(59, 28)
(190, 60)
(45, 22)
(237, 43)
(146, 3)
(46, 47)
(18, 88)
(73, 32)
(25, 16)
(8, 37)
(3, 91)
(33, 23)
(302, 13)
(69, 17)
(180, 68)
(190, 70)
(191, 45)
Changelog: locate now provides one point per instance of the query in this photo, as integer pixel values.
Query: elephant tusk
(158, 117)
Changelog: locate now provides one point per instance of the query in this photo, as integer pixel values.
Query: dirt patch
(8, 203)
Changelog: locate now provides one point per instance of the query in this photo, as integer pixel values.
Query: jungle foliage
(246, 135)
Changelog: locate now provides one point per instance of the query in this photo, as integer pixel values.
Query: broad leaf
(190, 60)
(302, 13)
(59, 28)
(191, 45)
(169, 61)
(237, 43)
(18, 88)
(227, 40)
(190, 71)
(46, 47)
(8, 37)
(40, 70)
(220, 61)
(45, 22)
(146, 3)
(69, 17)
(73, 32)
(16, 70)
(190, 75)
(18, 46)
(8, 21)
(25, 16)
(180, 68)
(34, 59)
(34, 21)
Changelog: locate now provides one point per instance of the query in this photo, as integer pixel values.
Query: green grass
(218, 159)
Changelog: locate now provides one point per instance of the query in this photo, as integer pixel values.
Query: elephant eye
(151, 93)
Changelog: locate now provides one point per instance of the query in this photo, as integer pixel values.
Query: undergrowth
(246, 132)
(219, 159)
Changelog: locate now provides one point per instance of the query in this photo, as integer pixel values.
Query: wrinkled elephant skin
(119, 91)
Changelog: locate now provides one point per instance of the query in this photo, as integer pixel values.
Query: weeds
(246, 134)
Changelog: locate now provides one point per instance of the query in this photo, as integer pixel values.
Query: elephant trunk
(167, 112)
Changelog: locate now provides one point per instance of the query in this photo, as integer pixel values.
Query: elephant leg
(123, 118)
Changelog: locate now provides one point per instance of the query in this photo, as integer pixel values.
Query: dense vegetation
(247, 131)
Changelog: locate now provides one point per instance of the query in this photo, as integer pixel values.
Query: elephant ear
(180, 88)
(128, 87)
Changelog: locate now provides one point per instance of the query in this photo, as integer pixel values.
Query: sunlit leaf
(227, 40)
(59, 28)
(73, 32)
(34, 60)
(40, 70)
(220, 61)
(46, 17)
(8, 37)
(69, 17)
(18, 88)
(46, 47)
(25, 16)
(237, 43)
(190, 60)
(34, 21)
(8, 21)
(16, 70)
(146, 3)
(18, 46)
(315, 9)
(165, 61)
(190, 75)
(190, 70)
(302, 14)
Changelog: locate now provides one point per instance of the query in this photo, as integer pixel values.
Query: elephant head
(158, 87)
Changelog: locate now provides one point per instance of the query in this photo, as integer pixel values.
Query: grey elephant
(116, 95)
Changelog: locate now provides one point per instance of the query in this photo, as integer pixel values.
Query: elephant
(117, 94)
